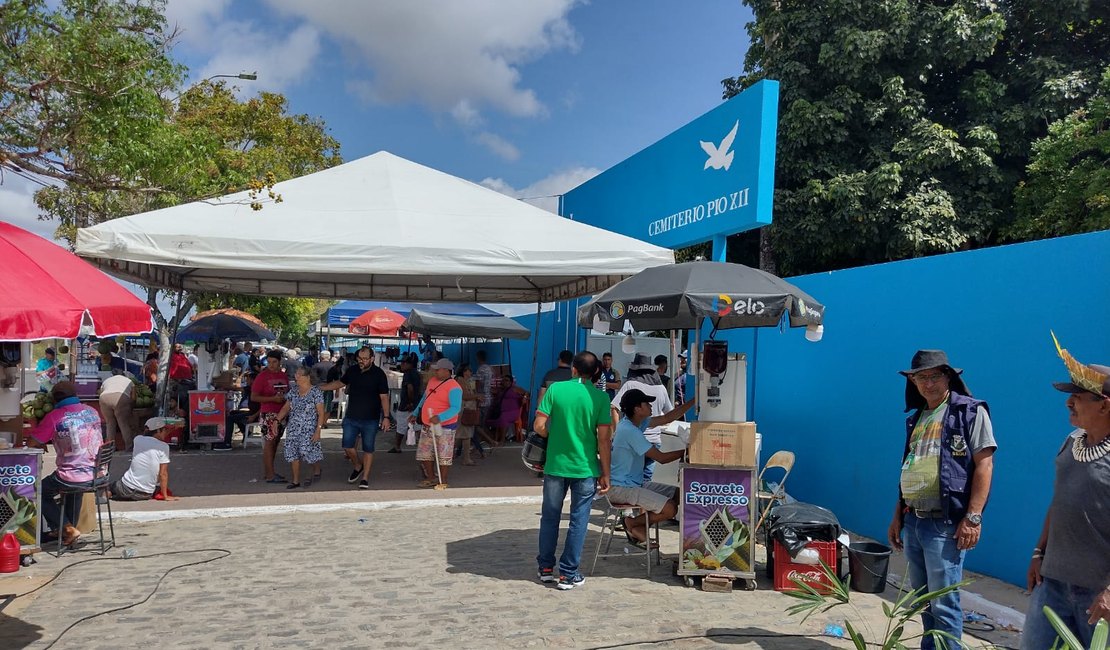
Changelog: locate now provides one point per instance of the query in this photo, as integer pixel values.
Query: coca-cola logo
(805, 576)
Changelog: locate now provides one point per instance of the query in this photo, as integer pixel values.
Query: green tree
(288, 318)
(1068, 189)
(81, 92)
(905, 124)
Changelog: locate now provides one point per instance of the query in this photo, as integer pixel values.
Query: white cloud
(281, 58)
(545, 192)
(498, 145)
(455, 58)
(17, 197)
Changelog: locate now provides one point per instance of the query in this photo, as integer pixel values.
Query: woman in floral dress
(304, 407)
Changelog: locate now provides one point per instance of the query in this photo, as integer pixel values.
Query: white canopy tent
(380, 227)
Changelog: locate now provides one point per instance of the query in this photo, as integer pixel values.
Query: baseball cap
(444, 364)
(634, 398)
(153, 424)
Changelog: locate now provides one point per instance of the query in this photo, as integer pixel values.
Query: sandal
(292, 486)
(427, 484)
(642, 544)
(276, 479)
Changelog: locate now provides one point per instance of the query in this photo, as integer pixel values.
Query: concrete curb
(371, 506)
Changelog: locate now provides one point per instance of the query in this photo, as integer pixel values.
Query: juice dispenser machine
(722, 384)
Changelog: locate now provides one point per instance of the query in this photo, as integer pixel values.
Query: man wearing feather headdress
(1070, 569)
(947, 464)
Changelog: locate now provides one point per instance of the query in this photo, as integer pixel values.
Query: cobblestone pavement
(428, 577)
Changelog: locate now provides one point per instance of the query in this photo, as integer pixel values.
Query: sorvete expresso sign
(714, 176)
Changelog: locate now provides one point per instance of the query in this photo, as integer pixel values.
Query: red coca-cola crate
(786, 571)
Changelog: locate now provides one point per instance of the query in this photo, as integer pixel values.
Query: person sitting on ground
(630, 450)
(304, 408)
(150, 467)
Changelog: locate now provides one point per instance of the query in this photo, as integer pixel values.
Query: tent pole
(535, 349)
(673, 366)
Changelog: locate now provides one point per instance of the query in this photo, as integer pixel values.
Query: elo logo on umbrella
(616, 310)
(724, 305)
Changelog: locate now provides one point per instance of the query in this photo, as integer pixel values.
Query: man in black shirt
(661, 368)
(410, 396)
(367, 412)
(558, 373)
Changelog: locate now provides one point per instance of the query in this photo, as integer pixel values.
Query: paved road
(429, 577)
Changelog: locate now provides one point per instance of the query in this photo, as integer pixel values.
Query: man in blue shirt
(630, 448)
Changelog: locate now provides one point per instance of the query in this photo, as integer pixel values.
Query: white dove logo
(719, 155)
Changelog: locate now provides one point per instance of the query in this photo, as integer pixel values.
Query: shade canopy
(380, 227)
(48, 292)
(225, 325)
(344, 312)
(484, 327)
(680, 296)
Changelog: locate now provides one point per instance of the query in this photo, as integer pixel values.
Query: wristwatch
(974, 518)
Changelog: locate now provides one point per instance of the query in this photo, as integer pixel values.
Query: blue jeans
(555, 489)
(354, 429)
(1070, 602)
(934, 562)
(649, 467)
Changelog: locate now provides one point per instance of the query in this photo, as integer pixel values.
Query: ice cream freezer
(716, 513)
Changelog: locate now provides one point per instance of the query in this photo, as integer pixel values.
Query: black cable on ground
(226, 553)
(708, 635)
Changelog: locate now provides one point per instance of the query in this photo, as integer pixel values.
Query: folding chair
(99, 489)
(783, 460)
(616, 513)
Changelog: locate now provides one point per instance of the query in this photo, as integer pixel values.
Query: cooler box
(207, 415)
(786, 570)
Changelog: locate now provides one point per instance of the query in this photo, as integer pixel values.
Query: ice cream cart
(21, 496)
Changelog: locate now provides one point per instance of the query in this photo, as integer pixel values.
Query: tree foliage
(81, 91)
(288, 318)
(905, 124)
(1068, 189)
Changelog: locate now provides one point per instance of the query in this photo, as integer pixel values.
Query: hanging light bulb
(814, 333)
(628, 344)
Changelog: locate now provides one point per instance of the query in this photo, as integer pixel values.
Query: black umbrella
(679, 296)
(224, 326)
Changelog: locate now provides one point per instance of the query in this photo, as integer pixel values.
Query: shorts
(271, 427)
(365, 429)
(401, 422)
(651, 497)
(121, 492)
(445, 444)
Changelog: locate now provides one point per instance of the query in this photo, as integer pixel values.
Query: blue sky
(529, 97)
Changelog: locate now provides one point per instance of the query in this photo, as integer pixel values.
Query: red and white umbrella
(48, 292)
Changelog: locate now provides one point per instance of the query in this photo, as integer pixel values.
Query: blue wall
(838, 403)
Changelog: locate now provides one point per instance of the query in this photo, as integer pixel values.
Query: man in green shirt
(574, 417)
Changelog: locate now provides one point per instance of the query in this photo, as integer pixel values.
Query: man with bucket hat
(1070, 569)
(947, 464)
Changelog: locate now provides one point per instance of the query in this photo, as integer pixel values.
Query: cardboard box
(725, 444)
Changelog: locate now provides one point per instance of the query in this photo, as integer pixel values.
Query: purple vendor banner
(716, 506)
(20, 495)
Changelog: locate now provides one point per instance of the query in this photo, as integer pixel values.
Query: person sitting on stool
(630, 449)
(150, 466)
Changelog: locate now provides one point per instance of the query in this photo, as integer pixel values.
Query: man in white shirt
(115, 407)
(643, 376)
(150, 467)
